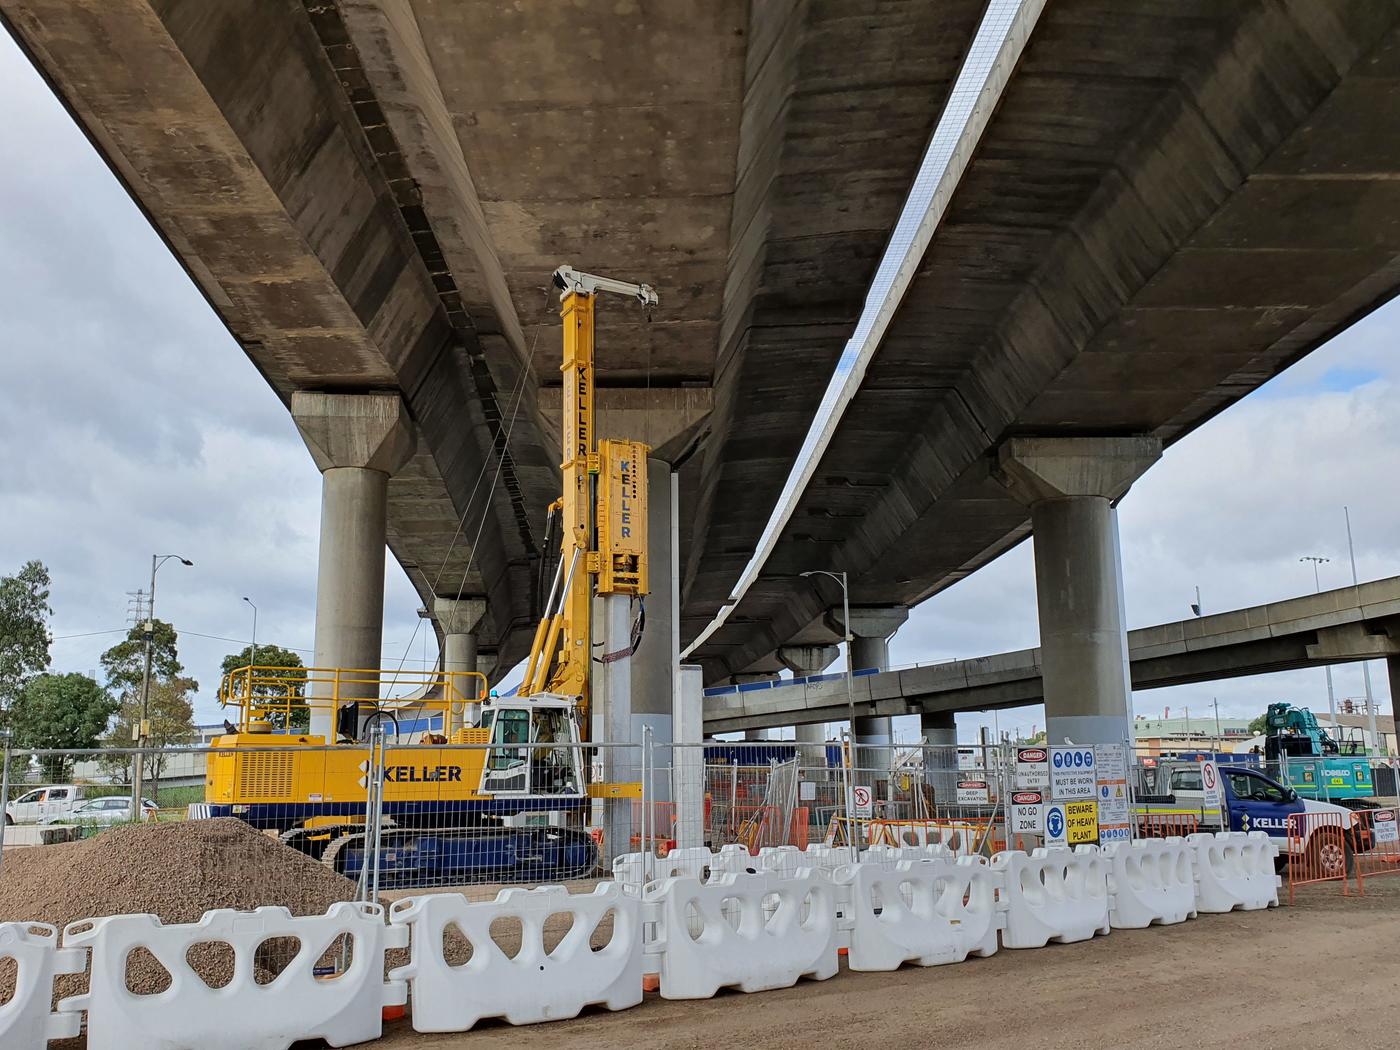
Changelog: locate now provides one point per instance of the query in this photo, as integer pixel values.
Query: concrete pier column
(871, 631)
(1070, 486)
(358, 441)
(459, 619)
(940, 732)
(688, 762)
(802, 661)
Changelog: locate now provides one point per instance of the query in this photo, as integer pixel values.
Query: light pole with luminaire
(840, 577)
(253, 658)
(1317, 588)
(157, 560)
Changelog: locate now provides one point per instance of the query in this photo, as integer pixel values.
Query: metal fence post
(4, 794)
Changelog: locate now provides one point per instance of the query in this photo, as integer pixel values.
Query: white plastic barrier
(1235, 870)
(926, 911)
(630, 870)
(26, 1020)
(1054, 894)
(535, 985)
(753, 932)
(892, 855)
(242, 1015)
(1150, 881)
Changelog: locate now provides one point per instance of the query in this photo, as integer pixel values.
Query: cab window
(33, 796)
(1254, 789)
(512, 727)
(1186, 780)
(57, 794)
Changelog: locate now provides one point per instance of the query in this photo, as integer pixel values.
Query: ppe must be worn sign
(1072, 773)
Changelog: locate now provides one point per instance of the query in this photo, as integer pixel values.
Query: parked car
(55, 800)
(114, 809)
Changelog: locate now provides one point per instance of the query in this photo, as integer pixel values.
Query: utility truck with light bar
(1252, 802)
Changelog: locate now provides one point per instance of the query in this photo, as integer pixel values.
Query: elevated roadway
(1173, 201)
(1348, 624)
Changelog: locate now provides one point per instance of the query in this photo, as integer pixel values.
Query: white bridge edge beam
(823, 430)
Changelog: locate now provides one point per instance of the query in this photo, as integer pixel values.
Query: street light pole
(1317, 588)
(253, 659)
(138, 774)
(1365, 665)
(849, 750)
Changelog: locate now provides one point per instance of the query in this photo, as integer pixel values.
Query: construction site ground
(1321, 973)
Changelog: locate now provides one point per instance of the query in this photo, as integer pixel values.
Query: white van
(57, 800)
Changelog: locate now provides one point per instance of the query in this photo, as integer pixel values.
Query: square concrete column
(939, 730)
(1070, 486)
(358, 441)
(459, 619)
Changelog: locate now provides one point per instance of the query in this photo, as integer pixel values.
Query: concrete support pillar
(939, 730)
(871, 630)
(459, 619)
(802, 661)
(653, 664)
(1392, 668)
(688, 757)
(612, 723)
(358, 441)
(1070, 485)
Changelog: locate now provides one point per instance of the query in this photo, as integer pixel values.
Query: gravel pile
(176, 871)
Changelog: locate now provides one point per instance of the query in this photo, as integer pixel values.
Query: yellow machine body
(262, 768)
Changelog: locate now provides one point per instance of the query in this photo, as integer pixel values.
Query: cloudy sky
(131, 424)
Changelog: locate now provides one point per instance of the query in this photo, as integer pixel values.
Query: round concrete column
(1082, 637)
(873, 736)
(940, 732)
(358, 441)
(1070, 484)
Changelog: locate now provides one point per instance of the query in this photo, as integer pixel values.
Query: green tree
(171, 715)
(1259, 726)
(272, 687)
(125, 663)
(169, 709)
(24, 631)
(61, 711)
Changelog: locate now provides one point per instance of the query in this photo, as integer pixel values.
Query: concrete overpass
(1172, 202)
(1348, 624)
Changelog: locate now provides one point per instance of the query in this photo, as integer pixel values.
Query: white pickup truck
(56, 800)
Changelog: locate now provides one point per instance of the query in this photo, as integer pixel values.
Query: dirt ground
(1322, 973)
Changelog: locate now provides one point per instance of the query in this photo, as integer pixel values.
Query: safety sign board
(1032, 768)
(864, 799)
(1210, 782)
(1081, 823)
(1072, 773)
(1384, 828)
(807, 791)
(1026, 812)
(1055, 825)
(1112, 797)
(972, 793)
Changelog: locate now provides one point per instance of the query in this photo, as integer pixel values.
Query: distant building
(1156, 736)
